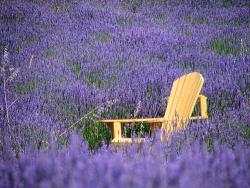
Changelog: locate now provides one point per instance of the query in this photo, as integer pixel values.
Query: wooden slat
(149, 120)
(174, 97)
(184, 94)
(198, 82)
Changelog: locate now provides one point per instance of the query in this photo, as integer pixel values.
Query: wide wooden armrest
(148, 120)
(116, 130)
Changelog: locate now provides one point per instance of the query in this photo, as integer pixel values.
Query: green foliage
(124, 22)
(13, 18)
(48, 97)
(62, 140)
(160, 17)
(128, 1)
(93, 78)
(195, 20)
(186, 32)
(69, 111)
(117, 113)
(119, 64)
(103, 37)
(27, 87)
(96, 134)
(134, 5)
(111, 80)
(26, 43)
(246, 132)
(137, 129)
(56, 8)
(187, 65)
(209, 143)
(222, 101)
(50, 52)
(44, 26)
(59, 8)
(228, 3)
(77, 69)
(240, 21)
(32, 135)
(224, 46)
(196, 111)
(153, 90)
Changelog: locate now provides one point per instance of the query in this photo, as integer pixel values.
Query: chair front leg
(117, 130)
(153, 126)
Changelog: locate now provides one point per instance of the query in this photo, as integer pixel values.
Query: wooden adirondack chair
(185, 93)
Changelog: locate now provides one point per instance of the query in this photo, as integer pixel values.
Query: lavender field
(67, 64)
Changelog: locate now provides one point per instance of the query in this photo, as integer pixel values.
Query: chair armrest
(116, 130)
(148, 120)
(203, 108)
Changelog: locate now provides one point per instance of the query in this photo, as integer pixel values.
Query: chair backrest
(182, 100)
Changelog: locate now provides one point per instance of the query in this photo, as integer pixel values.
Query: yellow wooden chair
(185, 93)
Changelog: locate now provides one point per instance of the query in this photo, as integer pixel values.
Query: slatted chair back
(182, 100)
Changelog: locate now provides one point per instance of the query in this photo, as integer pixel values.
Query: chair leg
(117, 130)
(153, 127)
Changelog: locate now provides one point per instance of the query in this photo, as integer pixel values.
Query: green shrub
(96, 134)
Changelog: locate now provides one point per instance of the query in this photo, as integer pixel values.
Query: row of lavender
(103, 59)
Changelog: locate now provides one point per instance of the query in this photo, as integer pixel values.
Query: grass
(225, 45)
